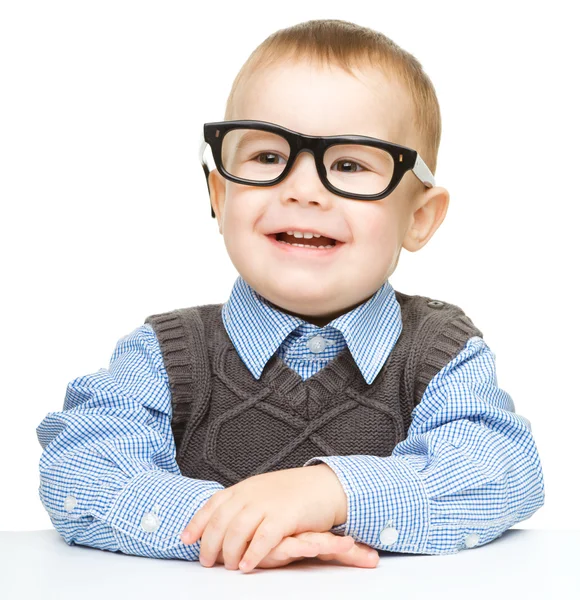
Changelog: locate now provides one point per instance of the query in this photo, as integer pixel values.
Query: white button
(150, 522)
(388, 536)
(69, 503)
(316, 344)
(471, 540)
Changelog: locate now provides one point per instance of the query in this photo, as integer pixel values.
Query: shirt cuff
(153, 510)
(338, 529)
(389, 511)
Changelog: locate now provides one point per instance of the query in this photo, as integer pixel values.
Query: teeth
(308, 246)
(306, 234)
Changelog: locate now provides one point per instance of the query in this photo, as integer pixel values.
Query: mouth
(315, 246)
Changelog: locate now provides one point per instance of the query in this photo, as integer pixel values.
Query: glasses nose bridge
(310, 144)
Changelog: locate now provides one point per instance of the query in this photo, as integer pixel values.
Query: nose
(303, 184)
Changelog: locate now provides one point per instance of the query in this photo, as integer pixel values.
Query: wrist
(336, 492)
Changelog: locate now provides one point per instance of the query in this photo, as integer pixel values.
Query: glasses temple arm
(202, 145)
(423, 172)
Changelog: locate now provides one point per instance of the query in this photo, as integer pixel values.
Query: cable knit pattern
(228, 425)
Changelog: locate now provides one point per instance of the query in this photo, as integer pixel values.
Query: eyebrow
(248, 135)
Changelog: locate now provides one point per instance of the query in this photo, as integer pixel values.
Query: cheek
(379, 231)
(235, 219)
(244, 205)
(239, 227)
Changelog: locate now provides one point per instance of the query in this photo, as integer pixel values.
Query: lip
(289, 228)
(310, 253)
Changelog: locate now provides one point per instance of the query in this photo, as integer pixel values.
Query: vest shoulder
(199, 312)
(418, 309)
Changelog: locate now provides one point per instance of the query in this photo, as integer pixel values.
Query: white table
(521, 564)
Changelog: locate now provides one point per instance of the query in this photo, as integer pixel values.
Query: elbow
(530, 476)
(535, 493)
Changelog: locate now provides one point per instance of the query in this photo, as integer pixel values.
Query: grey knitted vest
(229, 426)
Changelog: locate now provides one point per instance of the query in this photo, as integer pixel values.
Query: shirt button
(471, 540)
(150, 522)
(316, 344)
(389, 536)
(69, 503)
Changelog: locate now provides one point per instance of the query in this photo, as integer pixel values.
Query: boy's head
(326, 78)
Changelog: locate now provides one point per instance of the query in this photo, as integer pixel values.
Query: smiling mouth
(308, 251)
(319, 242)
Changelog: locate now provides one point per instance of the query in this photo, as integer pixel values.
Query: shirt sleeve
(467, 471)
(108, 474)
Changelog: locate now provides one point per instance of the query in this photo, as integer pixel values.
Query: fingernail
(186, 537)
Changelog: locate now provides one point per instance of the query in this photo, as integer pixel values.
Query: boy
(317, 399)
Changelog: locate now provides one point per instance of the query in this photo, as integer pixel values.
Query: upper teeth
(300, 234)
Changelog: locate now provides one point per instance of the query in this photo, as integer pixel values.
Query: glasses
(260, 153)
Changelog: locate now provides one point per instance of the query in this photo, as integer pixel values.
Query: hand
(327, 546)
(263, 510)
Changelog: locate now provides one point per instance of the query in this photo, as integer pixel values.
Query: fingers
(359, 555)
(344, 549)
(328, 542)
(324, 545)
(310, 544)
(240, 531)
(212, 539)
(267, 536)
(196, 526)
(287, 551)
(292, 547)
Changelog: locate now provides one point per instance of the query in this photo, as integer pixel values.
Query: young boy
(317, 399)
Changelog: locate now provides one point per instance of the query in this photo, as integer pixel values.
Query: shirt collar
(257, 328)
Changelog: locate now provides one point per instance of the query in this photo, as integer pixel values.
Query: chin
(302, 301)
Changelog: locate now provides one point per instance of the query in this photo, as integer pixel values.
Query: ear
(430, 210)
(217, 192)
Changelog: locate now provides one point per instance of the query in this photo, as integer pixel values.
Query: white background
(105, 215)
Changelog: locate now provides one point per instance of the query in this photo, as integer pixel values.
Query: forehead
(326, 100)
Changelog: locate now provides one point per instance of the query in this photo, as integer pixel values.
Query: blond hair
(346, 44)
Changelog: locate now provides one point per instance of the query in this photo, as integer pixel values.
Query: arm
(467, 471)
(108, 475)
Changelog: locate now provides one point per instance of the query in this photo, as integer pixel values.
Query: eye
(350, 168)
(268, 161)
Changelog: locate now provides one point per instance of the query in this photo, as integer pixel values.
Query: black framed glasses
(260, 153)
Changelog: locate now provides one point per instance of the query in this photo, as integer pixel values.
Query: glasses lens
(358, 169)
(254, 155)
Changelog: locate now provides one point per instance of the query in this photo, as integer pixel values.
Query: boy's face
(324, 101)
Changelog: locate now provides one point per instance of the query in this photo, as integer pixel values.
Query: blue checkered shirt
(467, 471)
